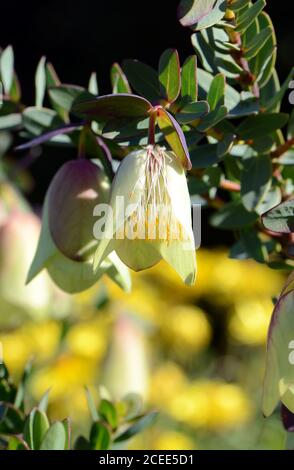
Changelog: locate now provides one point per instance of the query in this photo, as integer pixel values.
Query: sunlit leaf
(199, 14)
(40, 82)
(189, 90)
(119, 81)
(174, 136)
(281, 218)
(170, 75)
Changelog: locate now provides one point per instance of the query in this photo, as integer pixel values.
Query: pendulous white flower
(150, 216)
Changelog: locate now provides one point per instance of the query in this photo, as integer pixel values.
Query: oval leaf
(170, 75)
(256, 181)
(189, 90)
(143, 79)
(200, 14)
(174, 136)
(281, 218)
(108, 107)
(119, 81)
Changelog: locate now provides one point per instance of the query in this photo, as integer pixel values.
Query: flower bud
(74, 192)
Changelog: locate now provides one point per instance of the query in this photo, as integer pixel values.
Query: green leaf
(209, 180)
(281, 218)
(256, 181)
(261, 124)
(40, 82)
(232, 97)
(170, 75)
(189, 90)
(140, 425)
(15, 92)
(224, 146)
(233, 216)
(253, 245)
(205, 53)
(65, 95)
(255, 45)
(67, 428)
(134, 404)
(204, 156)
(100, 438)
(40, 427)
(7, 68)
(16, 443)
(271, 199)
(199, 14)
(228, 66)
(20, 395)
(264, 63)
(290, 130)
(143, 79)
(174, 136)
(104, 108)
(193, 111)
(39, 120)
(91, 405)
(51, 76)
(119, 81)
(216, 93)
(246, 18)
(28, 431)
(10, 121)
(43, 403)
(212, 119)
(93, 84)
(55, 438)
(11, 419)
(108, 412)
(239, 4)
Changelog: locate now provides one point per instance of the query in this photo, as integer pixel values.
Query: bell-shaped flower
(279, 375)
(149, 216)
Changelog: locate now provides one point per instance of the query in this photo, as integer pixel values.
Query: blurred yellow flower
(232, 279)
(166, 382)
(88, 340)
(186, 328)
(161, 439)
(143, 300)
(172, 441)
(73, 404)
(211, 405)
(250, 321)
(37, 341)
(65, 374)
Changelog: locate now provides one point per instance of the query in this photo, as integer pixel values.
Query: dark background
(79, 37)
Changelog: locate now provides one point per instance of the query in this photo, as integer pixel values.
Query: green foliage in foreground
(113, 423)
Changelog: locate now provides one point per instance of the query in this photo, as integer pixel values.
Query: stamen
(154, 211)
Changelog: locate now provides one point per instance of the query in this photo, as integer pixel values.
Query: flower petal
(138, 254)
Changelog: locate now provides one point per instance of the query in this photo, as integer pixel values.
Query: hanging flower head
(150, 216)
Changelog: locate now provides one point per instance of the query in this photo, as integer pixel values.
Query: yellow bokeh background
(194, 354)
